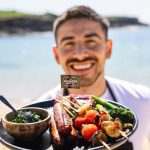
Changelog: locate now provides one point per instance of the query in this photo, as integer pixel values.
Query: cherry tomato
(92, 116)
(88, 130)
(79, 120)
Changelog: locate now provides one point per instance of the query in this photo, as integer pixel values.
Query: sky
(130, 8)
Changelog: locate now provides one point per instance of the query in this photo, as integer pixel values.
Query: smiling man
(82, 48)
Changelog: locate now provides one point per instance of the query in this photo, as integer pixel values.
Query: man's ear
(108, 48)
(55, 52)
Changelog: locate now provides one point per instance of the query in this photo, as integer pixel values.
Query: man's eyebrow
(92, 35)
(66, 38)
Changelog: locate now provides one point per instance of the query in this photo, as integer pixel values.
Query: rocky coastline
(43, 23)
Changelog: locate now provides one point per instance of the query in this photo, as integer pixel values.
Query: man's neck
(98, 88)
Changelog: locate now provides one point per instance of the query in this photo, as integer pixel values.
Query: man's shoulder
(129, 88)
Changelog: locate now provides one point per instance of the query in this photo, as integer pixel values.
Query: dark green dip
(22, 118)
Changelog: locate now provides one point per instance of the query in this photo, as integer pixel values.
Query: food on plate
(112, 129)
(73, 135)
(63, 121)
(124, 114)
(58, 139)
(22, 117)
(78, 121)
(92, 117)
(97, 137)
(82, 110)
(88, 130)
(93, 121)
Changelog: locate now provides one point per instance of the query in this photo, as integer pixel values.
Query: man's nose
(81, 52)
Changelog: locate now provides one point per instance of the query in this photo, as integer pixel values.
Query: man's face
(82, 49)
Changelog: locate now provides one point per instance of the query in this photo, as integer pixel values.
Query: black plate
(45, 142)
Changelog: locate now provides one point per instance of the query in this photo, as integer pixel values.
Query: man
(82, 47)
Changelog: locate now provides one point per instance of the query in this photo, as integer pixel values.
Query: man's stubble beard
(85, 82)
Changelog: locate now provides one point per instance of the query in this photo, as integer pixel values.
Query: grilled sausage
(63, 121)
(58, 140)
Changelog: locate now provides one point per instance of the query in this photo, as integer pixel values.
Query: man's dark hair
(80, 12)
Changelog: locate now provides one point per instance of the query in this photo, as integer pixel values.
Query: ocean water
(28, 68)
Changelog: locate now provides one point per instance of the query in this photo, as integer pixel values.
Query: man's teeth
(80, 67)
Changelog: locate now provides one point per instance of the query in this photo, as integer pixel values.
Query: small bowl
(27, 131)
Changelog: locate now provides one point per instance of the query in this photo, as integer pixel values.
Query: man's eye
(91, 43)
(69, 45)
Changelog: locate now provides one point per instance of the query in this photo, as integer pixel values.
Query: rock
(124, 21)
(41, 23)
(23, 24)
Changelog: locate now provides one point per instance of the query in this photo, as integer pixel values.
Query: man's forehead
(79, 27)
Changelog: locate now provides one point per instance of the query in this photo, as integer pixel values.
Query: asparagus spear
(103, 102)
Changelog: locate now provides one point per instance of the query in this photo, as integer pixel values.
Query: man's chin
(86, 83)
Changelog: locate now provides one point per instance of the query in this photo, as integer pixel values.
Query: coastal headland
(13, 22)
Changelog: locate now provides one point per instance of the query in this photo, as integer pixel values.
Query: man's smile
(82, 67)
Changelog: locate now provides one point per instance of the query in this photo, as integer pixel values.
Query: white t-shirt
(136, 97)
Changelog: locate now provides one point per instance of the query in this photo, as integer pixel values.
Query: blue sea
(28, 68)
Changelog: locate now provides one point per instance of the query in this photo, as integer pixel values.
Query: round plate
(45, 142)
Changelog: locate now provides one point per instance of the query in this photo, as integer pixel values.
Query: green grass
(11, 14)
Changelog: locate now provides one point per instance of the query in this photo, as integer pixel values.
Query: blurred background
(27, 65)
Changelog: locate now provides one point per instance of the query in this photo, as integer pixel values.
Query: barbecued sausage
(58, 140)
(63, 121)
